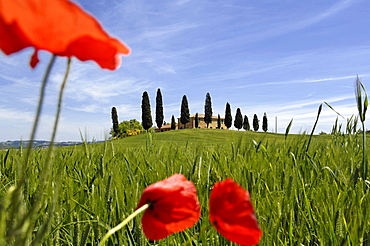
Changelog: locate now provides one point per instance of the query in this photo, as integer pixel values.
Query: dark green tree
(159, 109)
(146, 115)
(115, 130)
(208, 110)
(228, 117)
(218, 122)
(173, 123)
(246, 125)
(238, 122)
(196, 120)
(185, 115)
(264, 122)
(256, 124)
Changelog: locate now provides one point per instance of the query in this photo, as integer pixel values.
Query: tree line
(126, 127)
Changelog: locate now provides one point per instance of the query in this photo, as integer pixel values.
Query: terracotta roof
(165, 126)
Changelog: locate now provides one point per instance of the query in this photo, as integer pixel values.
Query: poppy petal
(232, 213)
(174, 207)
(34, 59)
(37, 23)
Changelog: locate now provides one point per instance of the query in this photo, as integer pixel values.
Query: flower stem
(39, 107)
(45, 176)
(60, 99)
(123, 223)
(16, 203)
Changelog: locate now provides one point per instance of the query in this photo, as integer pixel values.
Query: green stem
(60, 99)
(16, 203)
(39, 107)
(45, 182)
(123, 223)
(364, 156)
(314, 127)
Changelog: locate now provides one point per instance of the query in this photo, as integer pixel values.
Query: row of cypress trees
(147, 121)
(240, 123)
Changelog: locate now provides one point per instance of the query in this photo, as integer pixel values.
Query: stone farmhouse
(201, 123)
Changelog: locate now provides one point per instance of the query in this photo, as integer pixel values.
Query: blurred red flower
(58, 26)
(232, 213)
(173, 207)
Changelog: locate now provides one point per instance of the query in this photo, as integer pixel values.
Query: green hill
(212, 138)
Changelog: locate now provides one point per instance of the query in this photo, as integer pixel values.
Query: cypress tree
(185, 116)
(173, 123)
(159, 110)
(146, 115)
(238, 123)
(208, 110)
(246, 125)
(218, 122)
(228, 117)
(196, 120)
(256, 124)
(115, 130)
(264, 122)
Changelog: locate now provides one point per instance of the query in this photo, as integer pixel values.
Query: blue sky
(279, 57)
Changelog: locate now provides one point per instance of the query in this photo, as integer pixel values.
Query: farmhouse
(201, 123)
(164, 128)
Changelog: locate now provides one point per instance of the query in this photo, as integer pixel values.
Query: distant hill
(37, 144)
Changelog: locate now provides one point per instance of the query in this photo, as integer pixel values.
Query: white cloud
(13, 114)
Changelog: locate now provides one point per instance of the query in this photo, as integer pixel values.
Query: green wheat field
(306, 190)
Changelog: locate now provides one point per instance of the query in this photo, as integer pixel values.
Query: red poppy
(232, 213)
(173, 207)
(58, 26)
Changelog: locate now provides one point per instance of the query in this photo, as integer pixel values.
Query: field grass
(302, 195)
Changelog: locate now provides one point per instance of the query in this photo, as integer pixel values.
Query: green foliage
(362, 104)
(129, 125)
(287, 130)
(361, 99)
(246, 125)
(238, 122)
(159, 116)
(208, 110)
(228, 116)
(300, 198)
(146, 115)
(256, 124)
(264, 122)
(314, 126)
(185, 115)
(115, 129)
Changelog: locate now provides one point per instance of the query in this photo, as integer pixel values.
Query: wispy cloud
(100, 85)
(332, 10)
(166, 31)
(282, 108)
(262, 25)
(299, 81)
(11, 114)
